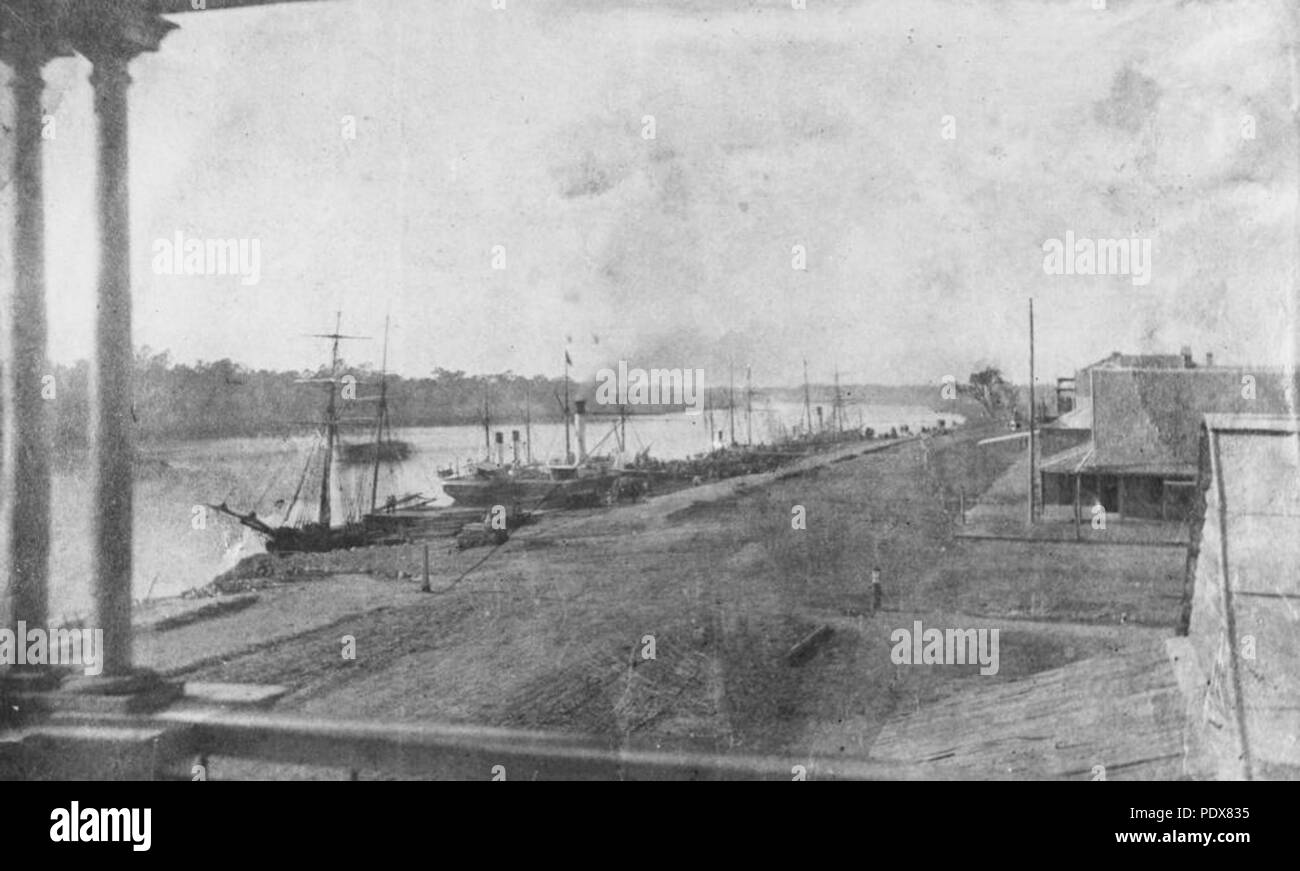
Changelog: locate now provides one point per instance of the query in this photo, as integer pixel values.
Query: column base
(142, 691)
(23, 691)
(31, 695)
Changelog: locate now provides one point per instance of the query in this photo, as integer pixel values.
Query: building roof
(1123, 710)
(1068, 462)
(1245, 584)
(1080, 417)
(1148, 420)
(1116, 360)
(1250, 423)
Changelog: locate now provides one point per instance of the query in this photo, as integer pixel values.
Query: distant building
(1118, 360)
(1130, 445)
(1072, 425)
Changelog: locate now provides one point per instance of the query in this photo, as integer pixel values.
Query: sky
(525, 128)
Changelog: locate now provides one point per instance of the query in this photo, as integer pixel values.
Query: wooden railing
(198, 741)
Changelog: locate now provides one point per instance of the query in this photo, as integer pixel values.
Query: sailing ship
(299, 532)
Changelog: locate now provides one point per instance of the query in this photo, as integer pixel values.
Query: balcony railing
(169, 744)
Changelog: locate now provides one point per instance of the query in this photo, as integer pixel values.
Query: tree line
(223, 399)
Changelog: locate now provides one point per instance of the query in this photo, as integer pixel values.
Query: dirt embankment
(668, 623)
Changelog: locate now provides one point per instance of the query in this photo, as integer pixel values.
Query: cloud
(1132, 102)
(522, 128)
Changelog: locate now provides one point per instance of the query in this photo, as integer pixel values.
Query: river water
(179, 544)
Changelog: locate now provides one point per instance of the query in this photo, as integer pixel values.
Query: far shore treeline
(224, 399)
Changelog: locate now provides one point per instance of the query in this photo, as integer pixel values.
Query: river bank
(668, 623)
(178, 545)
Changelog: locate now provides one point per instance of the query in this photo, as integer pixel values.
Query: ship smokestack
(580, 424)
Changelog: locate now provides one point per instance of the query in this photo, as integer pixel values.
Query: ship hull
(529, 494)
(314, 538)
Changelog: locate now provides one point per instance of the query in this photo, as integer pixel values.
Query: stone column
(110, 36)
(111, 372)
(26, 43)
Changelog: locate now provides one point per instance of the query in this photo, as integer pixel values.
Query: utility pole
(749, 409)
(807, 400)
(731, 402)
(528, 420)
(1033, 474)
(708, 415)
(839, 410)
(487, 423)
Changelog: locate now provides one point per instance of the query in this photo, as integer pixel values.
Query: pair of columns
(110, 35)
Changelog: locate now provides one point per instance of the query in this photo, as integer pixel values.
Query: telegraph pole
(1033, 474)
(807, 400)
(528, 420)
(749, 409)
(708, 415)
(487, 424)
(839, 410)
(731, 402)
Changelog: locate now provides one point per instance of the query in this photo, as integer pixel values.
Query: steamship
(579, 481)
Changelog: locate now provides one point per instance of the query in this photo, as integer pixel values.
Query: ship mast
(331, 417)
(567, 454)
(331, 424)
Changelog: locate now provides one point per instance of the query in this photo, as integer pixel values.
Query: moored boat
(574, 482)
(298, 532)
(558, 486)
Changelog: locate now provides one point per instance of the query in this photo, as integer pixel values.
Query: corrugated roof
(1150, 418)
(1067, 462)
(1245, 620)
(1139, 361)
(1080, 417)
(1122, 711)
